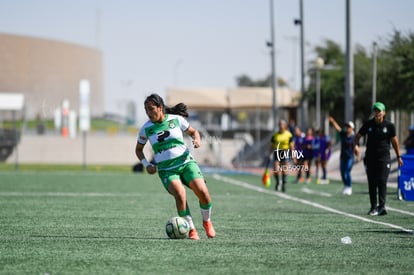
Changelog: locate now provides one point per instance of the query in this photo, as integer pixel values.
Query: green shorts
(186, 173)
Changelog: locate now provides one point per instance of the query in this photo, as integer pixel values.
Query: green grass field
(75, 222)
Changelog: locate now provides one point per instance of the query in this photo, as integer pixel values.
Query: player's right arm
(139, 151)
(335, 124)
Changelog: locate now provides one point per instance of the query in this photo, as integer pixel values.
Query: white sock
(189, 220)
(206, 214)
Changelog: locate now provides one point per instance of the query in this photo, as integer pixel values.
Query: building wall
(48, 71)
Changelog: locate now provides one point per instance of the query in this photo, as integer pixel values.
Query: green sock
(185, 214)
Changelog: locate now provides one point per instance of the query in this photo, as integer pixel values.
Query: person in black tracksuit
(380, 133)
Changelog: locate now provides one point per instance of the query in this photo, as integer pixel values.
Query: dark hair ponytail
(179, 109)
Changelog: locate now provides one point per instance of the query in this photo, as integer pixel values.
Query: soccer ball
(177, 228)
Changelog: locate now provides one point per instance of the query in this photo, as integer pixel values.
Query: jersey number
(161, 136)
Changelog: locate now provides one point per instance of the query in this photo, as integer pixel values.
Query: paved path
(358, 171)
(120, 149)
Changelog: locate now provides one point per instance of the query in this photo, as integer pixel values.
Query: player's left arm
(291, 143)
(292, 149)
(195, 135)
(396, 146)
(357, 152)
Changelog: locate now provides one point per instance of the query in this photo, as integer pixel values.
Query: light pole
(271, 45)
(374, 73)
(349, 71)
(303, 102)
(319, 64)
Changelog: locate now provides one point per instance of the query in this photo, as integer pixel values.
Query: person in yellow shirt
(282, 146)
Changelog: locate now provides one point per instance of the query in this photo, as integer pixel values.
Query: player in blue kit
(322, 156)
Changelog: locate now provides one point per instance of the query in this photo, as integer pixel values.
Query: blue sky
(151, 45)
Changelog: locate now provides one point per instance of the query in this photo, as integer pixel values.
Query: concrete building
(47, 72)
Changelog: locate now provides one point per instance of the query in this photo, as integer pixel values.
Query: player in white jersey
(172, 159)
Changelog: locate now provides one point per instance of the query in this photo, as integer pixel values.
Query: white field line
(313, 204)
(66, 194)
(400, 211)
(64, 173)
(309, 191)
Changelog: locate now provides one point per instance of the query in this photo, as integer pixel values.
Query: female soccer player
(349, 152)
(176, 167)
(322, 156)
(308, 152)
(380, 132)
(282, 146)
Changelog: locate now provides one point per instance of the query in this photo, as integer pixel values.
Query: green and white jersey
(167, 141)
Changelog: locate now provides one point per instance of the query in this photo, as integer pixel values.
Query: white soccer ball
(177, 228)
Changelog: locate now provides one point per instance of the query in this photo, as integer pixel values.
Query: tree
(396, 72)
(362, 83)
(246, 81)
(395, 79)
(333, 80)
